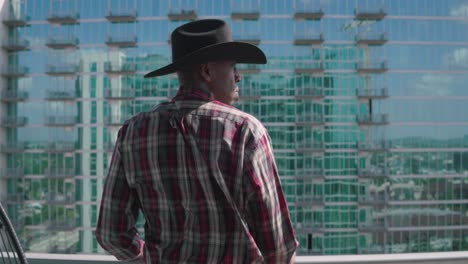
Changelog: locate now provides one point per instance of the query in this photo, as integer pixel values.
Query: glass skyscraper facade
(366, 102)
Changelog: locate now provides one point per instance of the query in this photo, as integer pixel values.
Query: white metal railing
(458, 257)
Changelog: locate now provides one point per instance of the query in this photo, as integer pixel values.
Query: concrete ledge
(460, 257)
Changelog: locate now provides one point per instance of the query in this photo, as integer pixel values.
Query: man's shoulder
(232, 114)
(213, 110)
(144, 116)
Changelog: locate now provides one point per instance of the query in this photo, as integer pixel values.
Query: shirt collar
(192, 93)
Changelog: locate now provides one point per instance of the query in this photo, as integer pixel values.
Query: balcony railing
(182, 15)
(12, 121)
(306, 257)
(372, 249)
(371, 67)
(373, 146)
(55, 198)
(372, 40)
(116, 120)
(13, 147)
(308, 39)
(372, 93)
(311, 119)
(119, 94)
(313, 227)
(14, 71)
(121, 41)
(62, 69)
(369, 14)
(14, 96)
(119, 68)
(12, 173)
(310, 174)
(60, 173)
(313, 200)
(373, 172)
(67, 248)
(373, 199)
(308, 13)
(253, 39)
(248, 68)
(63, 18)
(309, 67)
(59, 95)
(61, 225)
(310, 93)
(308, 147)
(60, 147)
(61, 120)
(246, 14)
(15, 44)
(115, 16)
(379, 225)
(248, 96)
(19, 20)
(62, 42)
(375, 119)
(15, 197)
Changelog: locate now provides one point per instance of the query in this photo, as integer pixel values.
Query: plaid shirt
(188, 217)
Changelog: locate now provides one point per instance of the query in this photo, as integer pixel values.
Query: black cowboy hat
(207, 40)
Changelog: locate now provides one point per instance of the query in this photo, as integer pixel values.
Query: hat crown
(207, 40)
(197, 35)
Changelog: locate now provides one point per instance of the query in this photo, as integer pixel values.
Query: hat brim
(240, 52)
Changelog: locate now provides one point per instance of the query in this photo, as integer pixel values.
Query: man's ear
(205, 72)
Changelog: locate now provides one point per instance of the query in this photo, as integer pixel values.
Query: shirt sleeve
(267, 213)
(116, 231)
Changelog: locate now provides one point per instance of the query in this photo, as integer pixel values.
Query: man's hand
(293, 259)
(140, 258)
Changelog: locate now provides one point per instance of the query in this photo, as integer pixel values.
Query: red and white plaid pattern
(188, 218)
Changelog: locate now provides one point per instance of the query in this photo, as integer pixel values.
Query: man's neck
(188, 90)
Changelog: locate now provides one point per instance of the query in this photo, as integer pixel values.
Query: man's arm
(267, 211)
(116, 231)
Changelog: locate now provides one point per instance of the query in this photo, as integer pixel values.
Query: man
(201, 171)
